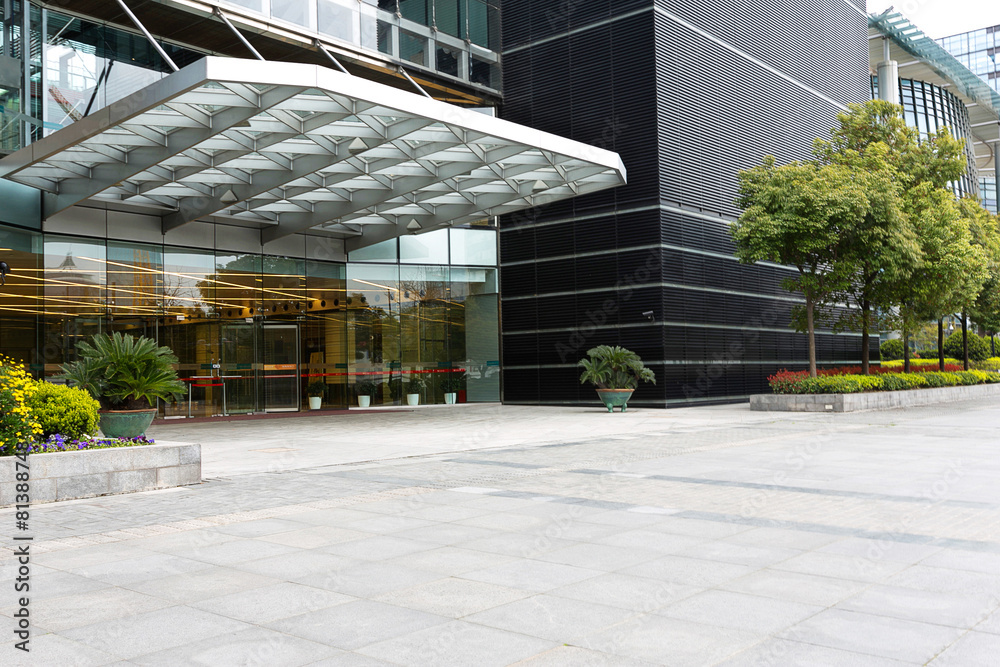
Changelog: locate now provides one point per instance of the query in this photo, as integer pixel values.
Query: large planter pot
(413, 399)
(614, 398)
(450, 397)
(315, 402)
(126, 423)
(364, 401)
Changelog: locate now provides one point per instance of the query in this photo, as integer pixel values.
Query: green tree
(985, 229)
(797, 214)
(884, 248)
(952, 267)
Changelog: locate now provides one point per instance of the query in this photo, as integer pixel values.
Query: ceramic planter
(364, 401)
(413, 399)
(126, 423)
(315, 402)
(450, 397)
(614, 398)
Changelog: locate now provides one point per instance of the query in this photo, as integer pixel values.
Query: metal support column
(140, 26)
(239, 35)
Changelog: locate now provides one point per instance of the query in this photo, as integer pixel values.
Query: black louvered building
(687, 93)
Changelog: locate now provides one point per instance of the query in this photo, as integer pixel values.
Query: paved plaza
(488, 535)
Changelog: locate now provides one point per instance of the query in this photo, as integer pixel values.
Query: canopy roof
(289, 147)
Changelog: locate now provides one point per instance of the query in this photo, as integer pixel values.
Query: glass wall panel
(373, 350)
(339, 18)
(449, 17)
(416, 10)
(255, 5)
(135, 288)
(474, 330)
(429, 248)
(412, 48)
(474, 246)
(21, 305)
(238, 284)
(293, 11)
(325, 337)
(447, 60)
(423, 315)
(75, 294)
(190, 328)
(380, 252)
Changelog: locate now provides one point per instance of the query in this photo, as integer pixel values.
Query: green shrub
(992, 378)
(840, 384)
(922, 363)
(991, 364)
(891, 349)
(979, 347)
(939, 379)
(68, 411)
(913, 380)
(969, 378)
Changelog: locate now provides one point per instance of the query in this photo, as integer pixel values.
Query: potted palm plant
(452, 384)
(615, 372)
(364, 389)
(127, 375)
(315, 391)
(413, 387)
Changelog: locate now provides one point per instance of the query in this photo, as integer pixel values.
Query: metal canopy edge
(290, 147)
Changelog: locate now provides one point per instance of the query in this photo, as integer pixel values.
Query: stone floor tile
(776, 652)
(741, 554)
(557, 619)
(740, 611)
(251, 647)
(856, 568)
(452, 597)
(260, 527)
(796, 587)
(271, 603)
(201, 584)
(381, 547)
(297, 564)
(238, 551)
(356, 624)
(603, 557)
(974, 649)
(142, 568)
(663, 640)
(450, 560)
(314, 537)
(367, 580)
(637, 594)
(105, 604)
(531, 575)
(953, 609)
(574, 656)
(457, 644)
(879, 636)
(52, 649)
(153, 631)
(689, 571)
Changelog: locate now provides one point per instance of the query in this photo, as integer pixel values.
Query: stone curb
(876, 400)
(100, 472)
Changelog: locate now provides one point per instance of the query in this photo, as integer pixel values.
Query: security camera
(648, 314)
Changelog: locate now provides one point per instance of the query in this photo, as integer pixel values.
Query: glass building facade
(928, 108)
(979, 50)
(252, 329)
(456, 38)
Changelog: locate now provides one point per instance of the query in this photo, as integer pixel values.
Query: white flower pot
(413, 399)
(315, 402)
(364, 401)
(451, 397)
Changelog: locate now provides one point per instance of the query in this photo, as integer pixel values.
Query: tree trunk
(965, 341)
(810, 329)
(906, 351)
(865, 337)
(941, 344)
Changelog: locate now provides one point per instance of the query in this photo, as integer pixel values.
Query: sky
(941, 18)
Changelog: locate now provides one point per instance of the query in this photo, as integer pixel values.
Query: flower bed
(848, 380)
(60, 443)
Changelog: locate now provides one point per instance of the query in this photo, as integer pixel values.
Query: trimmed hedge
(991, 364)
(891, 349)
(979, 347)
(799, 382)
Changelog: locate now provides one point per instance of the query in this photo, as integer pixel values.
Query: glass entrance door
(239, 366)
(280, 367)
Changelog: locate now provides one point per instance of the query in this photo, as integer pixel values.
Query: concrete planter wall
(100, 472)
(876, 400)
